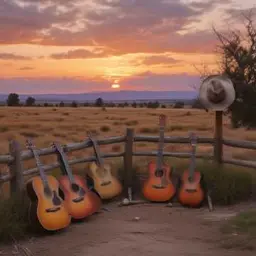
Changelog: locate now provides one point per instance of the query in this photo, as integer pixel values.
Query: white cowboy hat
(216, 92)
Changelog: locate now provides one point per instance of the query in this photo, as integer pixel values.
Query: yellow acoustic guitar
(105, 183)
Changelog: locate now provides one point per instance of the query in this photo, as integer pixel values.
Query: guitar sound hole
(56, 200)
(75, 187)
(159, 173)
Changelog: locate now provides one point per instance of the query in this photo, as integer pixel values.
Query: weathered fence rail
(16, 157)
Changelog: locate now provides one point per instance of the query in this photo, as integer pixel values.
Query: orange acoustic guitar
(78, 198)
(159, 187)
(47, 208)
(106, 184)
(191, 192)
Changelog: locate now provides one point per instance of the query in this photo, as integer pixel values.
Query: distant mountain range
(117, 96)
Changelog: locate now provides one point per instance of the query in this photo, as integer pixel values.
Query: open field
(67, 125)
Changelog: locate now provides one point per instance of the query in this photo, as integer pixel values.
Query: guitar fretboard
(99, 159)
(160, 149)
(64, 160)
(39, 165)
(193, 158)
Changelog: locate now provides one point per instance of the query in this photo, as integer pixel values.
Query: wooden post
(128, 160)
(218, 145)
(16, 169)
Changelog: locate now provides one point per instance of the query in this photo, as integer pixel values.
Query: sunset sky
(72, 46)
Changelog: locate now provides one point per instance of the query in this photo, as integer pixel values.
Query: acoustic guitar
(191, 192)
(47, 208)
(78, 198)
(159, 187)
(105, 183)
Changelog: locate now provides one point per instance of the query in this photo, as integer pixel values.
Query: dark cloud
(79, 54)
(143, 81)
(151, 81)
(158, 60)
(123, 26)
(10, 56)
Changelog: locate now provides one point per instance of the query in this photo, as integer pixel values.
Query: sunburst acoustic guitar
(159, 187)
(78, 198)
(47, 208)
(107, 185)
(191, 192)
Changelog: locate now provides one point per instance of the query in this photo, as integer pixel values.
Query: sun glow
(115, 86)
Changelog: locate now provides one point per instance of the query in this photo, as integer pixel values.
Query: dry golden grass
(66, 125)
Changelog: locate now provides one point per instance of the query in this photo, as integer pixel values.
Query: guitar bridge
(105, 183)
(79, 199)
(158, 186)
(53, 209)
(191, 190)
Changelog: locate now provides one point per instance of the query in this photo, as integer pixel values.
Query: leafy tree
(153, 104)
(46, 104)
(99, 102)
(13, 99)
(30, 101)
(134, 104)
(74, 104)
(179, 104)
(238, 61)
(62, 104)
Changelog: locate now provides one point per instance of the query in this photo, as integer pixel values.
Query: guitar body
(49, 211)
(190, 192)
(79, 206)
(105, 183)
(150, 189)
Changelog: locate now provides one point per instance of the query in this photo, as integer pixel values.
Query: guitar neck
(64, 160)
(39, 166)
(97, 152)
(160, 149)
(192, 163)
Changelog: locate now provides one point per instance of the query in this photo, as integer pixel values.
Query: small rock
(136, 218)
(126, 201)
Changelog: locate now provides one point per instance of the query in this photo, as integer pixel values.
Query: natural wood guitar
(78, 198)
(105, 183)
(191, 192)
(159, 187)
(47, 208)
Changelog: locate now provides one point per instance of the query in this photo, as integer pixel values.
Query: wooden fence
(16, 157)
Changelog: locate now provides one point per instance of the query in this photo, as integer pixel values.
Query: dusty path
(169, 231)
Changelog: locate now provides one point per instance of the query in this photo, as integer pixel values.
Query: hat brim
(230, 95)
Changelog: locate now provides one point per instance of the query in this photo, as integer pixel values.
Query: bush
(13, 218)
(105, 128)
(229, 184)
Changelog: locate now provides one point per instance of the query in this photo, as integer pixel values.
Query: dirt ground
(160, 230)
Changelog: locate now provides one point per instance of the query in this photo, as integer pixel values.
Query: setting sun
(115, 86)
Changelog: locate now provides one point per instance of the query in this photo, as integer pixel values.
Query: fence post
(16, 168)
(218, 145)
(128, 160)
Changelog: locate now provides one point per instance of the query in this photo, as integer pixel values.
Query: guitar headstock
(57, 147)
(162, 120)
(193, 139)
(29, 144)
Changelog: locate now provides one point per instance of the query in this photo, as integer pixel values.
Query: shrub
(131, 123)
(105, 128)
(244, 222)
(229, 184)
(149, 130)
(13, 218)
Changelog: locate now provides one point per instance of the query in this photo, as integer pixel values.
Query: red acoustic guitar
(159, 187)
(79, 200)
(191, 192)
